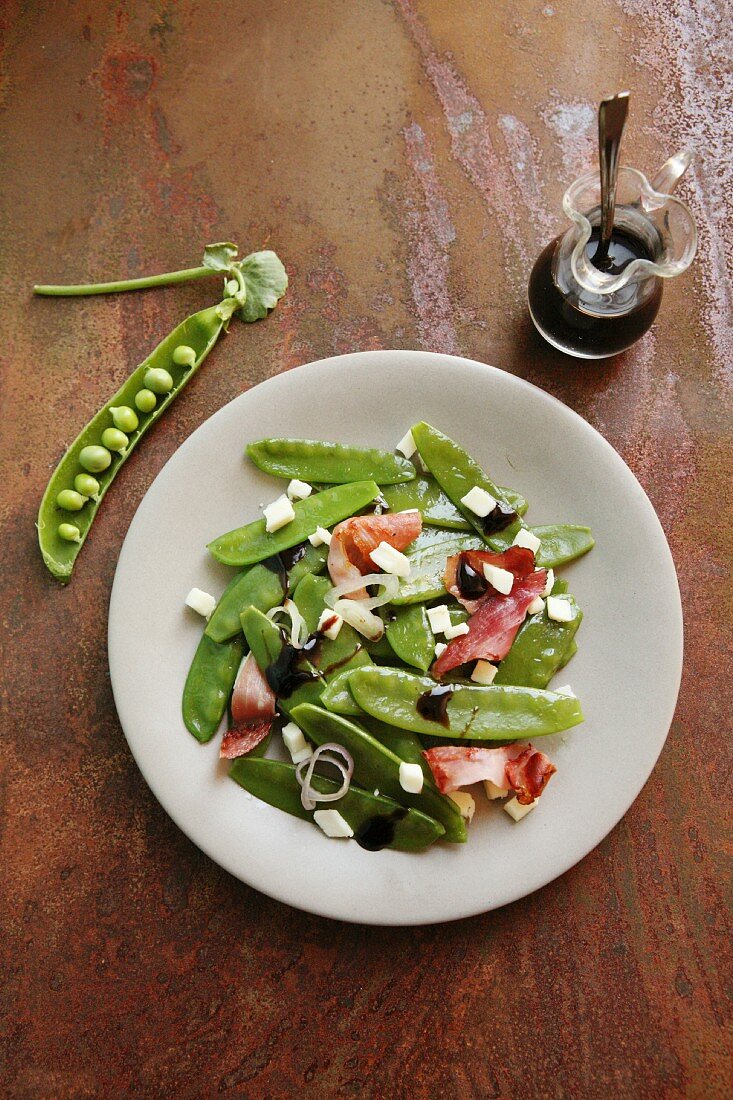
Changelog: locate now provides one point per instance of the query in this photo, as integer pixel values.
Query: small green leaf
(220, 256)
(266, 281)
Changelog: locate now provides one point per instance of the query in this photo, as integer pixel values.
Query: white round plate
(626, 672)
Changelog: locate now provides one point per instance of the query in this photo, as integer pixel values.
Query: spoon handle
(611, 121)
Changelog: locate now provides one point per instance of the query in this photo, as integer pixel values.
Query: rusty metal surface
(406, 160)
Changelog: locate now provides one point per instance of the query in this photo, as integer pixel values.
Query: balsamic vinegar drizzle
(279, 564)
(377, 832)
(498, 518)
(433, 705)
(471, 585)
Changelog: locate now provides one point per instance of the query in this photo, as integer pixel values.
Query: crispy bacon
(517, 560)
(353, 540)
(492, 629)
(517, 767)
(253, 709)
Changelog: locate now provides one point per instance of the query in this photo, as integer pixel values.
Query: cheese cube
(559, 610)
(456, 631)
(549, 583)
(391, 560)
(202, 602)
(293, 738)
(565, 690)
(465, 803)
(299, 490)
(332, 623)
(302, 754)
(320, 537)
(526, 539)
(332, 823)
(492, 791)
(500, 579)
(278, 513)
(484, 673)
(439, 618)
(407, 445)
(537, 605)
(478, 501)
(440, 647)
(516, 810)
(411, 778)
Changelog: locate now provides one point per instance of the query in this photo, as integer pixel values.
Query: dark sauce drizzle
(279, 564)
(471, 585)
(286, 672)
(498, 518)
(433, 705)
(377, 832)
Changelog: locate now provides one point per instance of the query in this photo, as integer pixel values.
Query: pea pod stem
(168, 278)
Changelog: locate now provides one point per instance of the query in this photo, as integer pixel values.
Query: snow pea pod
(331, 655)
(337, 698)
(561, 543)
(568, 654)
(209, 684)
(538, 650)
(482, 713)
(376, 766)
(437, 509)
(276, 783)
(200, 332)
(409, 634)
(333, 463)
(252, 543)
(427, 567)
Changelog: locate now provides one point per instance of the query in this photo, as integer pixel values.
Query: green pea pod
(200, 332)
(481, 713)
(427, 567)
(376, 766)
(561, 543)
(276, 783)
(209, 684)
(568, 654)
(337, 698)
(560, 586)
(538, 650)
(437, 509)
(409, 634)
(252, 543)
(333, 463)
(402, 743)
(264, 639)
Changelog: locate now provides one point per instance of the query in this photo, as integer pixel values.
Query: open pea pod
(479, 713)
(209, 685)
(538, 650)
(252, 543)
(199, 332)
(406, 830)
(424, 493)
(376, 766)
(332, 463)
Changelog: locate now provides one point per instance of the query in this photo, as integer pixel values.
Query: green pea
(145, 400)
(95, 459)
(124, 418)
(69, 532)
(184, 356)
(86, 485)
(158, 380)
(232, 286)
(70, 501)
(115, 440)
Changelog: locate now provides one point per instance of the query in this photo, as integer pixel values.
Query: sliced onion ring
(357, 614)
(298, 627)
(329, 753)
(388, 581)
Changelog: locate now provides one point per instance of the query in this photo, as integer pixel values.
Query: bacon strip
(492, 629)
(353, 541)
(517, 560)
(253, 709)
(517, 767)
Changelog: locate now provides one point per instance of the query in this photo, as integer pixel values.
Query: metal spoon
(611, 121)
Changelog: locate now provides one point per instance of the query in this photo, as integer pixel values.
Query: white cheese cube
(278, 513)
(299, 490)
(465, 803)
(537, 605)
(376, 792)
(202, 602)
(526, 539)
(484, 673)
(293, 738)
(549, 583)
(565, 690)
(411, 778)
(559, 610)
(516, 810)
(478, 501)
(500, 579)
(439, 618)
(302, 754)
(440, 647)
(391, 560)
(332, 823)
(407, 445)
(492, 791)
(320, 537)
(330, 623)
(456, 631)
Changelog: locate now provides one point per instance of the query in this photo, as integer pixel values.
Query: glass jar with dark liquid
(591, 307)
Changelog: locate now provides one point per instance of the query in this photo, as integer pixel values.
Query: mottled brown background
(406, 160)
